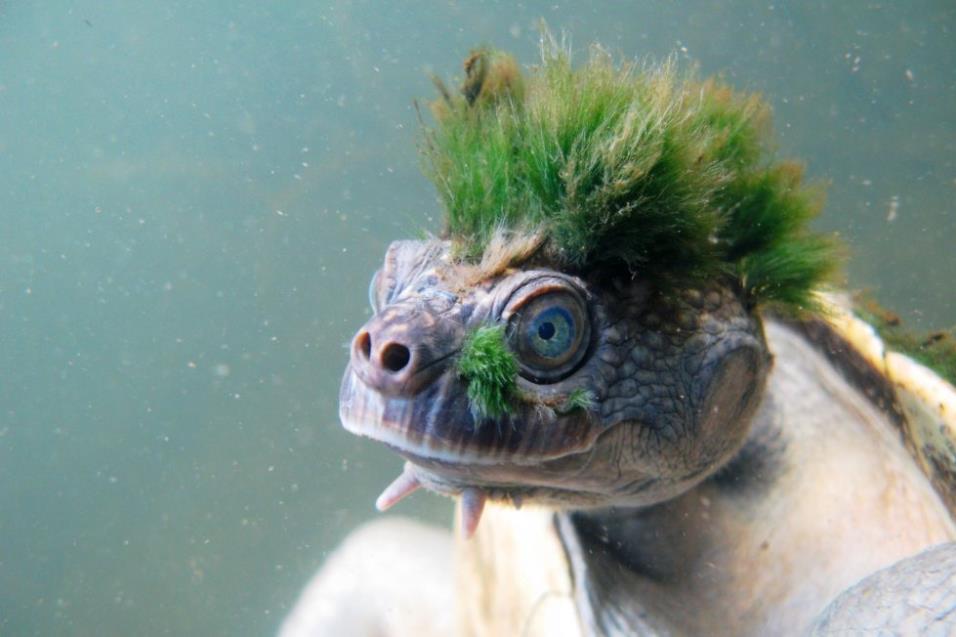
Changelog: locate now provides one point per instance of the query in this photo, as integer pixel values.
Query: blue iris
(551, 332)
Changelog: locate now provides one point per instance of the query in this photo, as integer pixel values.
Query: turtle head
(533, 383)
(586, 331)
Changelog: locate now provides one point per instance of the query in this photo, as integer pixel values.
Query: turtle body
(618, 360)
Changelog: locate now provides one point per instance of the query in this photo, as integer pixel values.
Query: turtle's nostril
(364, 342)
(395, 357)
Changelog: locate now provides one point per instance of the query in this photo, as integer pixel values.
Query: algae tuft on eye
(579, 398)
(489, 367)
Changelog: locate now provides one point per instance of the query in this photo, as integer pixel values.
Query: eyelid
(528, 292)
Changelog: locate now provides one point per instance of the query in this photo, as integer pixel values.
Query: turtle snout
(391, 357)
(383, 361)
(398, 353)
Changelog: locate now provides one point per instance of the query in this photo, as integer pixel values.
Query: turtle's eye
(549, 332)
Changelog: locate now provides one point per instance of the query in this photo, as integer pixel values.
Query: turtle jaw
(517, 457)
(437, 425)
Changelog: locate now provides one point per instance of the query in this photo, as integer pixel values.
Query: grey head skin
(672, 379)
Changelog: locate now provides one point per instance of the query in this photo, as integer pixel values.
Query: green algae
(628, 167)
(488, 366)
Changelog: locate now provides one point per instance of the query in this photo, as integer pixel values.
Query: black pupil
(546, 330)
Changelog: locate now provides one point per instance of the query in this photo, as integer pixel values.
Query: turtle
(628, 359)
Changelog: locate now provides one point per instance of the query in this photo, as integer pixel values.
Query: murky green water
(193, 195)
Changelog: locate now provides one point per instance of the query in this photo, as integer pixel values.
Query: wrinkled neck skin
(822, 494)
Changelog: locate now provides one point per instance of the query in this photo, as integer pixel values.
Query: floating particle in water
(892, 209)
(221, 370)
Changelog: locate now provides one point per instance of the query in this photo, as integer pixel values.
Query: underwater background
(193, 196)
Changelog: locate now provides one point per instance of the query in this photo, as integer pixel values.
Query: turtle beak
(400, 388)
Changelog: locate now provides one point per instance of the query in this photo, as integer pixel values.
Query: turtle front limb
(915, 596)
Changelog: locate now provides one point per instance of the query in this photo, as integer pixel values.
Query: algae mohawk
(623, 166)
